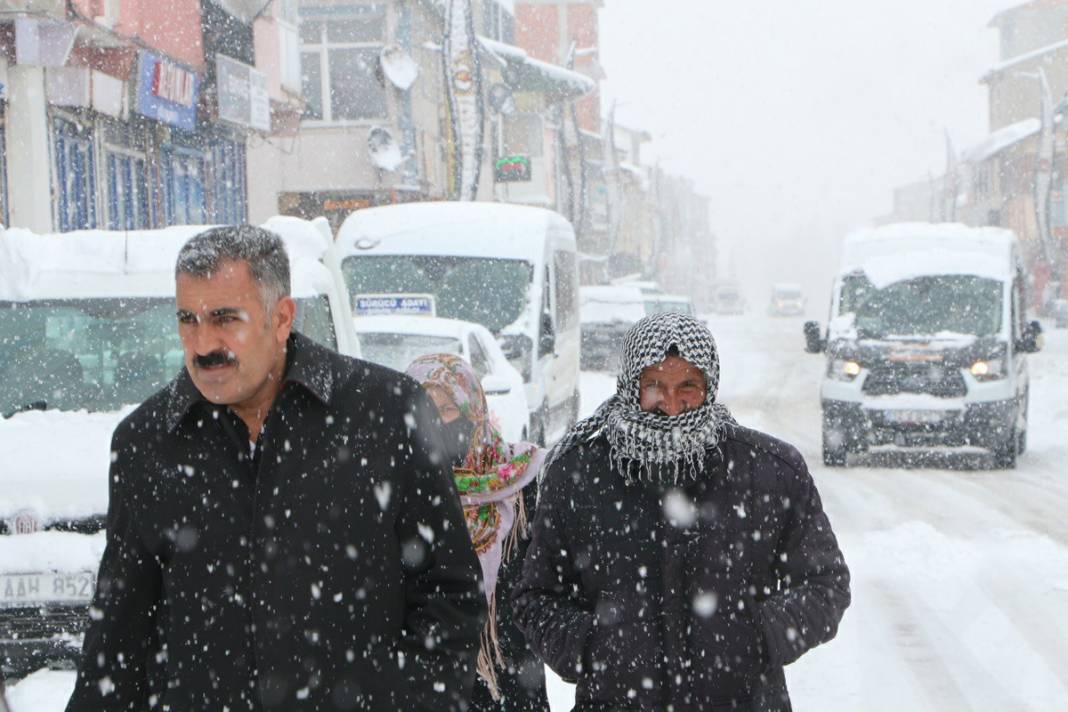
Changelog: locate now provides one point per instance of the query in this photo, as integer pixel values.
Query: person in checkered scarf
(678, 560)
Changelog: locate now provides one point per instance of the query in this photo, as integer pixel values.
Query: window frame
(323, 48)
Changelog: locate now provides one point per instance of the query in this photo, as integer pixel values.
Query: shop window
(183, 186)
(127, 189)
(3, 175)
(75, 177)
(341, 78)
(229, 202)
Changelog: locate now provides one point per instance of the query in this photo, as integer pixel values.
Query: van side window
(314, 320)
(566, 289)
(479, 361)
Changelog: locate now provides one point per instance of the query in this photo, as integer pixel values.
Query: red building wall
(171, 27)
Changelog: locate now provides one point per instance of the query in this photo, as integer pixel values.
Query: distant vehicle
(660, 303)
(608, 312)
(644, 285)
(728, 299)
(927, 344)
(786, 300)
(88, 330)
(510, 268)
(1060, 313)
(396, 341)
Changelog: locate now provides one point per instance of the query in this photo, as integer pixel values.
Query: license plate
(914, 416)
(30, 589)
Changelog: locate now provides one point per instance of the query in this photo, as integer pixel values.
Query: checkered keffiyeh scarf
(649, 446)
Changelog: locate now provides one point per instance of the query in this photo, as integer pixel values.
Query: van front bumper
(985, 425)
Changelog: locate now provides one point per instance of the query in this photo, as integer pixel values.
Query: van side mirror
(814, 342)
(547, 342)
(495, 385)
(1031, 341)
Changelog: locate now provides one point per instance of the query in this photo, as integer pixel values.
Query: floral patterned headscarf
(490, 482)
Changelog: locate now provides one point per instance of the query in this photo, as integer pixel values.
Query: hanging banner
(463, 88)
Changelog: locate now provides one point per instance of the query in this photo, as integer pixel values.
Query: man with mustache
(283, 532)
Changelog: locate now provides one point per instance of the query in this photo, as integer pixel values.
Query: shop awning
(524, 73)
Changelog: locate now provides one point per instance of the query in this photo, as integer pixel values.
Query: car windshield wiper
(35, 405)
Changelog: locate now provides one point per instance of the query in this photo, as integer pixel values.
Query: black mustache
(215, 358)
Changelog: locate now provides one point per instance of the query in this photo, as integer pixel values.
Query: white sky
(798, 117)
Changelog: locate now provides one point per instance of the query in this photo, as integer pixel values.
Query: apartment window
(288, 20)
(75, 176)
(340, 47)
(523, 135)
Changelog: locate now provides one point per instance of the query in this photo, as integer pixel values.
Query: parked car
(607, 313)
(660, 303)
(728, 299)
(87, 331)
(927, 344)
(513, 269)
(786, 300)
(396, 341)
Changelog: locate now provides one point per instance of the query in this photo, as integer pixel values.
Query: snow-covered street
(960, 577)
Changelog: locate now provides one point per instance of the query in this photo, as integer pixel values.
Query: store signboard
(244, 99)
(167, 91)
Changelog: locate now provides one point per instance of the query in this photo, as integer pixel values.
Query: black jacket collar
(308, 364)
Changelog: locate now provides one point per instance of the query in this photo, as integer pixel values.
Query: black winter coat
(332, 570)
(692, 598)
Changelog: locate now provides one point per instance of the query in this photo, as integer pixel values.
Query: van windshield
(101, 354)
(490, 292)
(924, 306)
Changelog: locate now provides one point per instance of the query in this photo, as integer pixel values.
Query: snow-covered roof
(606, 304)
(421, 325)
(555, 80)
(900, 251)
(1019, 59)
(1001, 139)
(498, 230)
(102, 263)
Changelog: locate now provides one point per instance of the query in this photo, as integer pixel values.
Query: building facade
(125, 115)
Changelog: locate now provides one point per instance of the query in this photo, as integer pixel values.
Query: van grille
(891, 379)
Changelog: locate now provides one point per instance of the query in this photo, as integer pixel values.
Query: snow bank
(51, 551)
(56, 463)
(43, 691)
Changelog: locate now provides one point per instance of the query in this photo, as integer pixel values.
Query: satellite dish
(399, 67)
(501, 99)
(383, 149)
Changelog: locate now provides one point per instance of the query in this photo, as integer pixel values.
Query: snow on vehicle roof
(901, 251)
(1001, 139)
(615, 293)
(450, 228)
(416, 325)
(95, 262)
(786, 287)
(679, 298)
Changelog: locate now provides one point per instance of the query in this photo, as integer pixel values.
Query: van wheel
(1021, 448)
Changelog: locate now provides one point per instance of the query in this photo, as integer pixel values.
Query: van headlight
(518, 349)
(843, 369)
(988, 369)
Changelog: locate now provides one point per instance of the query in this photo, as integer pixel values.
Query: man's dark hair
(262, 250)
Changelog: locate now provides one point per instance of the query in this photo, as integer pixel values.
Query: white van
(87, 331)
(511, 268)
(927, 343)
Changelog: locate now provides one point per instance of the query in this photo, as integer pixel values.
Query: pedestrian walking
(282, 533)
(497, 482)
(678, 559)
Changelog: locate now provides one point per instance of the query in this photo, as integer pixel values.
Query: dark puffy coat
(332, 570)
(691, 598)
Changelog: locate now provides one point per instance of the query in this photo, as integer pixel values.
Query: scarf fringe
(489, 653)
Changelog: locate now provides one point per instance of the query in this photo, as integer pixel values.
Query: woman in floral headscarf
(493, 478)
